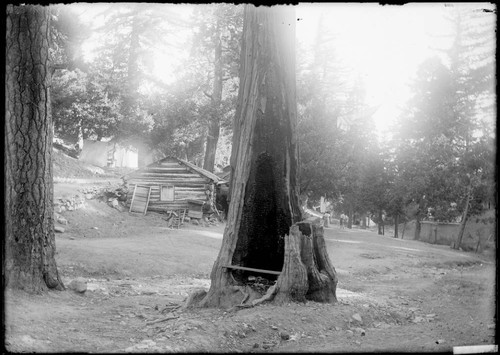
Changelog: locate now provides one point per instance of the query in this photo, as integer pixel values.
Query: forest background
(396, 105)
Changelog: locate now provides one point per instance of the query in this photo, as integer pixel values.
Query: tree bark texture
(216, 98)
(396, 225)
(29, 262)
(363, 221)
(465, 217)
(264, 160)
(350, 215)
(130, 99)
(418, 227)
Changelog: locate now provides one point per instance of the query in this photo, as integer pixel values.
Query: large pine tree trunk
(130, 99)
(363, 221)
(264, 184)
(350, 216)
(396, 225)
(380, 222)
(418, 227)
(465, 217)
(29, 223)
(216, 97)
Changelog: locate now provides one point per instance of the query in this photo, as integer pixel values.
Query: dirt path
(394, 295)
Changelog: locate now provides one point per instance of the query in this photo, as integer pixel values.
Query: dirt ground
(393, 295)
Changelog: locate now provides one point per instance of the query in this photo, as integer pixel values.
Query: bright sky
(383, 44)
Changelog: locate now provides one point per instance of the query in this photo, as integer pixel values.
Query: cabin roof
(189, 165)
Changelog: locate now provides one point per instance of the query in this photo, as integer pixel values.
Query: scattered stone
(430, 315)
(274, 327)
(95, 228)
(349, 332)
(440, 341)
(78, 285)
(58, 229)
(256, 345)
(337, 329)
(267, 345)
(285, 336)
(357, 318)
(62, 220)
(491, 326)
(418, 319)
(361, 331)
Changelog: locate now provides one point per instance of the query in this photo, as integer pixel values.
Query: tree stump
(307, 271)
(307, 274)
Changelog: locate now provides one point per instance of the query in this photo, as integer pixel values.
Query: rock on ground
(78, 285)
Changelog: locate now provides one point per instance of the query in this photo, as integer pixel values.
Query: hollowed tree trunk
(264, 185)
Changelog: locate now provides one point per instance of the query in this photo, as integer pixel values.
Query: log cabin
(175, 184)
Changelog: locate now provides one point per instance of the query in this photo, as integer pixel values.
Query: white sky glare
(382, 44)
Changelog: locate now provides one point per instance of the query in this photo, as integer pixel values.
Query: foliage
(214, 62)
(67, 33)
(82, 104)
(444, 140)
(323, 161)
(444, 145)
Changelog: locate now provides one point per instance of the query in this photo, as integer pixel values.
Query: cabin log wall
(188, 184)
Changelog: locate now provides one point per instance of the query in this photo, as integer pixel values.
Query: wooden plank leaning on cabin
(140, 199)
(132, 201)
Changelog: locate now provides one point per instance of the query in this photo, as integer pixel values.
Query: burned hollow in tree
(262, 229)
(264, 223)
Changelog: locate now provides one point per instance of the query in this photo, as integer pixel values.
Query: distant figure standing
(326, 219)
(342, 217)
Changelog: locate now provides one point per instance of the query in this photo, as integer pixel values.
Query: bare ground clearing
(394, 295)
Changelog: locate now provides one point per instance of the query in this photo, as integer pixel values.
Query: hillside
(66, 167)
